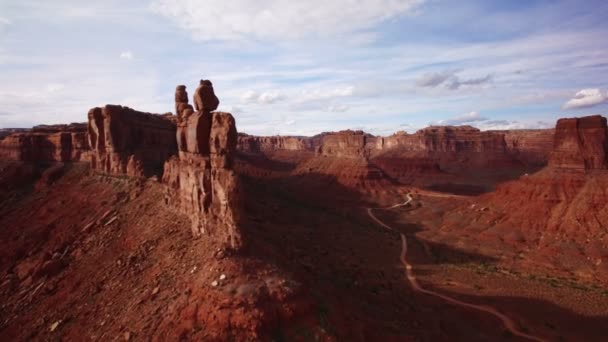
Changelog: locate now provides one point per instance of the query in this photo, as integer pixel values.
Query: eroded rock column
(201, 182)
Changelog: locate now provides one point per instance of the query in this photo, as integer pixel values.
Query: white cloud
(326, 94)
(251, 96)
(271, 19)
(340, 108)
(450, 80)
(586, 98)
(54, 87)
(512, 124)
(128, 55)
(466, 118)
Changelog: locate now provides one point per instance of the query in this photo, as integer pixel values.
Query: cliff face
(125, 141)
(344, 144)
(531, 146)
(57, 143)
(201, 182)
(256, 144)
(580, 143)
(436, 144)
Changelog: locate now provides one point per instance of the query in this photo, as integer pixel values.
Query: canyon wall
(441, 145)
(128, 142)
(257, 144)
(201, 181)
(530, 146)
(56, 143)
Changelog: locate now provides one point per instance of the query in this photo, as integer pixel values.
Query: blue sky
(286, 67)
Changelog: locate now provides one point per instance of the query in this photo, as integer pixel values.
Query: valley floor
(94, 257)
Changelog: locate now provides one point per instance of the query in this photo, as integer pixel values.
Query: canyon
(137, 225)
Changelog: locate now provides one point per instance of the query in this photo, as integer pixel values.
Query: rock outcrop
(343, 144)
(200, 179)
(181, 99)
(127, 142)
(46, 143)
(204, 97)
(580, 143)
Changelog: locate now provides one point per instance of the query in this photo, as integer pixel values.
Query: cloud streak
(238, 20)
(450, 80)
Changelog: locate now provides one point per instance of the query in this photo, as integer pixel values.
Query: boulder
(204, 97)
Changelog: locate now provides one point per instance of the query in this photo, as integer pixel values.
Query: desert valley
(176, 226)
(264, 170)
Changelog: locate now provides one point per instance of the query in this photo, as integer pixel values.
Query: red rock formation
(530, 146)
(258, 144)
(56, 143)
(344, 144)
(580, 143)
(181, 99)
(125, 141)
(204, 97)
(461, 146)
(200, 179)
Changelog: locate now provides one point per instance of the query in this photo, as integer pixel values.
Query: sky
(304, 67)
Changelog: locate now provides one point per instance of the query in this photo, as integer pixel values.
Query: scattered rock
(223, 277)
(54, 326)
(111, 220)
(50, 268)
(88, 226)
(215, 283)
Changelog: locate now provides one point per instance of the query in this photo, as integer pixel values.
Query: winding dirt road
(508, 322)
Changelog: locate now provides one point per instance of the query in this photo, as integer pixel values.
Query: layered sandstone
(201, 180)
(259, 144)
(442, 145)
(449, 146)
(530, 146)
(344, 144)
(125, 141)
(580, 143)
(46, 143)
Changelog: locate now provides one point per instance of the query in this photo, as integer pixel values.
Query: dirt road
(508, 322)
